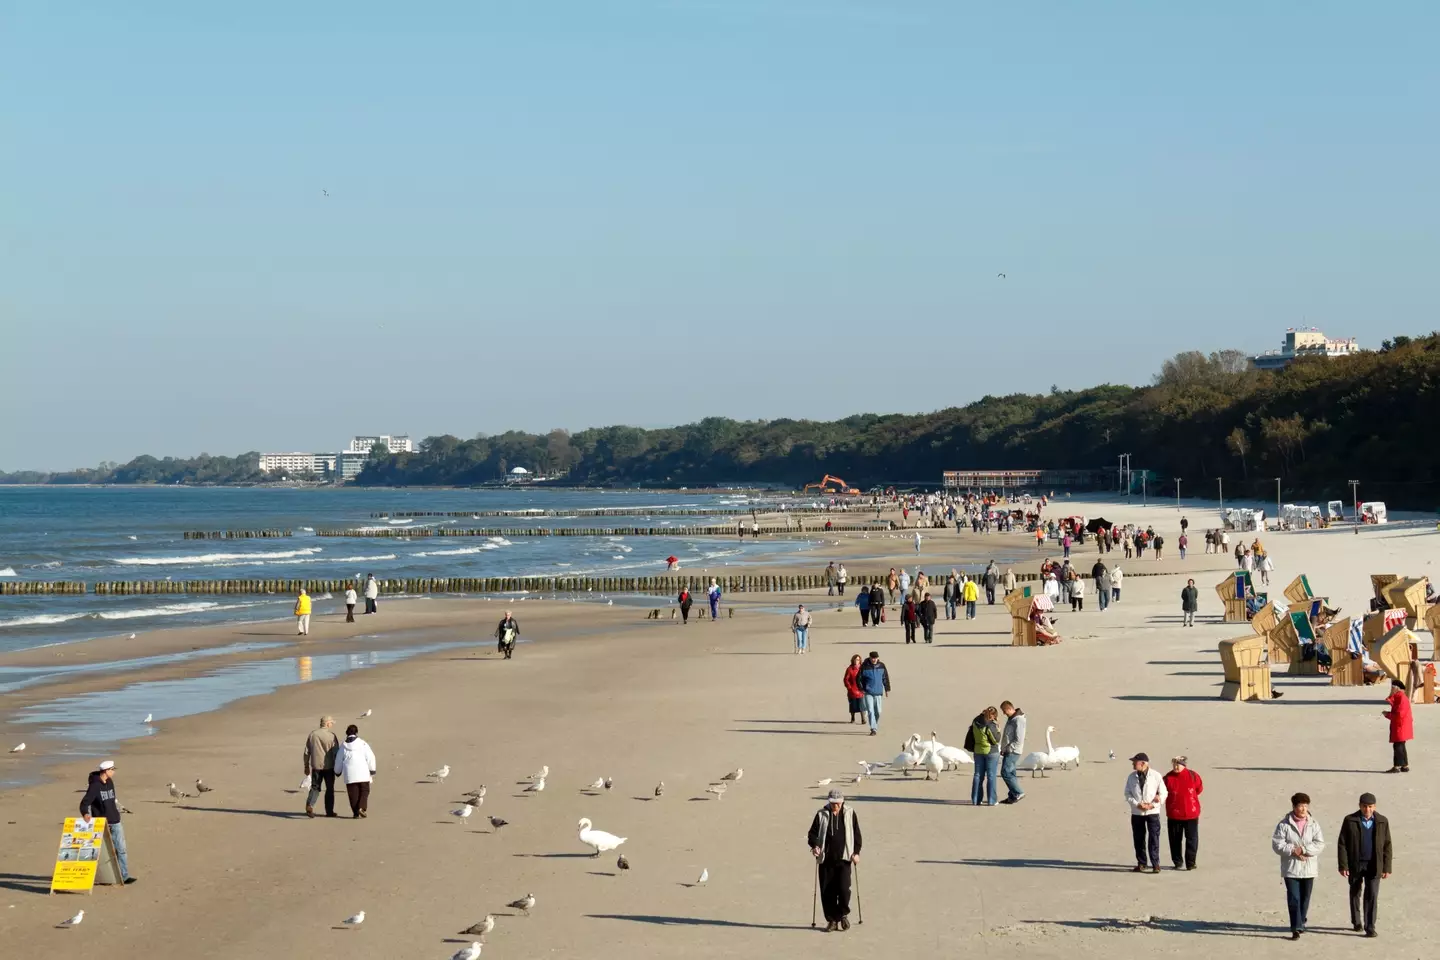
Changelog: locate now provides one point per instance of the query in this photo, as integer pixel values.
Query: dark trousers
(990, 595)
(369, 604)
(322, 780)
(841, 588)
(1146, 833)
(1297, 899)
(835, 890)
(909, 632)
(929, 632)
(684, 613)
(1402, 755)
(349, 613)
(1364, 877)
(359, 794)
(864, 617)
(1189, 832)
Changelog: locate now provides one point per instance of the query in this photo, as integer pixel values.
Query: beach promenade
(598, 691)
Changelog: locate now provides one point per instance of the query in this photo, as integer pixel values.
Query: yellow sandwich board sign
(82, 846)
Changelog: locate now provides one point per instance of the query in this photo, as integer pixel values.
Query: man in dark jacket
(100, 800)
(1189, 602)
(991, 579)
(835, 844)
(506, 634)
(877, 603)
(928, 616)
(1365, 860)
(909, 617)
(1182, 811)
(874, 682)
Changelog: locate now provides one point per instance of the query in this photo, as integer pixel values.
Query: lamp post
(1277, 502)
(1144, 502)
(1221, 482)
(1355, 499)
(1177, 493)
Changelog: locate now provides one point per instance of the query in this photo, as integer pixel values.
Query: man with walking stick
(835, 843)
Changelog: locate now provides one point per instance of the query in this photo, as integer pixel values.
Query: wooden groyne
(24, 588)
(235, 534)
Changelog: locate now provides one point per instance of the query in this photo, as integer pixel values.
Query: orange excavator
(840, 486)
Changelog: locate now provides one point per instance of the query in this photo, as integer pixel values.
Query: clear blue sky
(577, 213)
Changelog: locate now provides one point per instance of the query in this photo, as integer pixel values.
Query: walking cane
(859, 903)
(815, 896)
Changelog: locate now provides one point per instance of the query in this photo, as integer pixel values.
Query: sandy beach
(598, 691)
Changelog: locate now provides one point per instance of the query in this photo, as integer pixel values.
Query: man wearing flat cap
(1365, 860)
(835, 843)
(99, 800)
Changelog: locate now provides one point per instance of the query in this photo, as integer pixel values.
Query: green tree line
(1315, 425)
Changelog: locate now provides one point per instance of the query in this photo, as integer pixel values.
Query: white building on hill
(1304, 343)
(395, 444)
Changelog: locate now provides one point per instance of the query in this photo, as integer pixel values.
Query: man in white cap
(835, 843)
(100, 798)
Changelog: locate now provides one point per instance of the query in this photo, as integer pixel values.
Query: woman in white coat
(355, 763)
(1298, 843)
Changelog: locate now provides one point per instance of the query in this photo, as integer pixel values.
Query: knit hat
(835, 795)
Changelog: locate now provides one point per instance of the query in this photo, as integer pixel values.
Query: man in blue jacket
(874, 680)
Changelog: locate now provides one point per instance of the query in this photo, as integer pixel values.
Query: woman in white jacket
(355, 763)
(1298, 843)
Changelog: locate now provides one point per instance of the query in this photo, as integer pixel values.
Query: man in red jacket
(1402, 730)
(1182, 811)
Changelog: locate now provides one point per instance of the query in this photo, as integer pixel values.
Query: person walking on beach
(302, 614)
(1145, 793)
(877, 604)
(835, 844)
(1065, 544)
(355, 764)
(1009, 581)
(853, 694)
(800, 624)
(970, 593)
(1298, 842)
(928, 616)
(1101, 575)
(100, 799)
(319, 759)
(1183, 787)
(904, 584)
(1012, 747)
(686, 601)
(991, 580)
(506, 634)
(1116, 576)
(755, 529)
(1189, 603)
(841, 578)
(1077, 591)
(372, 592)
(952, 595)
(874, 680)
(983, 741)
(917, 542)
(830, 574)
(1402, 728)
(1183, 542)
(350, 600)
(862, 603)
(909, 617)
(713, 595)
(1366, 858)
(1159, 544)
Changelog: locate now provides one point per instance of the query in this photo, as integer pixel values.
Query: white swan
(1037, 761)
(954, 756)
(602, 842)
(1062, 757)
(933, 764)
(907, 758)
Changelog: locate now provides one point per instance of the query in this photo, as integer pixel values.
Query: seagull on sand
(439, 775)
(869, 767)
(660, 788)
(622, 863)
(176, 793)
(74, 921)
(365, 714)
(471, 952)
(523, 904)
(356, 920)
(474, 796)
(825, 783)
(541, 774)
(609, 783)
(200, 786)
(718, 789)
(535, 787)
(735, 774)
(463, 813)
(18, 748)
(496, 823)
(148, 718)
(704, 877)
(599, 784)
(481, 929)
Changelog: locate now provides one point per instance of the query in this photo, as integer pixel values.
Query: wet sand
(599, 691)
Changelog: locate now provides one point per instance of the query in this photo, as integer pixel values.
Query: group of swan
(930, 755)
(1062, 757)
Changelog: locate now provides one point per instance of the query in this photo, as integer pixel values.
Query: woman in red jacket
(1402, 730)
(1182, 811)
(852, 690)
(909, 616)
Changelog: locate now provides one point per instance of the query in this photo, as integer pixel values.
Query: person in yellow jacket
(302, 613)
(970, 593)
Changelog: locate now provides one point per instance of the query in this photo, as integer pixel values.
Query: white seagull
(718, 789)
(463, 813)
(74, 921)
(704, 876)
(18, 748)
(439, 775)
(825, 783)
(535, 787)
(599, 784)
(365, 714)
(541, 774)
(735, 774)
(201, 787)
(148, 718)
(481, 929)
(602, 842)
(356, 920)
(476, 795)
(523, 904)
(177, 793)
(471, 952)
